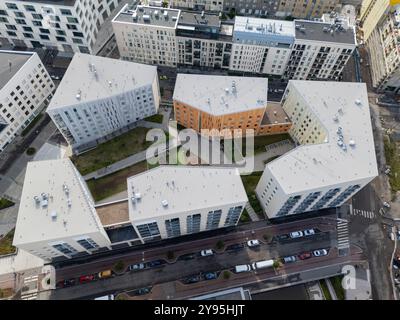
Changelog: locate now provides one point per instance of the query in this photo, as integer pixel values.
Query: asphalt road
(179, 269)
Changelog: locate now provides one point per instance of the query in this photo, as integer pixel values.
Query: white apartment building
(208, 5)
(383, 48)
(170, 201)
(291, 49)
(371, 12)
(320, 51)
(99, 97)
(335, 156)
(66, 25)
(25, 89)
(57, 217)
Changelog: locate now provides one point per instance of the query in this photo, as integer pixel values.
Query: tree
(226, 274)
(276, 264)
(232, 13)
(119, 266)
(220, 245)
(267, 237)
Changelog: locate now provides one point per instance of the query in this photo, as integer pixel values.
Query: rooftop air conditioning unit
(164, 203)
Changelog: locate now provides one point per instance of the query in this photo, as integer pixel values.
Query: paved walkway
(252, 214)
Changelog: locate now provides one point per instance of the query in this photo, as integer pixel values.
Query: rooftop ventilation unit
(174, 18)
(202, 14)
(44, 203)
(335, 118)
(146, 17)
(133, 200)
(227, 90)
(138, 195)
(156, 13)
(69, 203)
(78, 96)
(358, 102)
(164, 203)
(352, 143)
(165, 13)
(44, 196)
(53, 215)
(37, 200)
(134, 15)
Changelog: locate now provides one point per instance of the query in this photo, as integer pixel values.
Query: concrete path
(116, 197)
(252, 214)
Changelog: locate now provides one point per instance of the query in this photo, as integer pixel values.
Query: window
(71, 27)
(11, 33)
(213, 219)
(173, 227)
(72, 20)
(62, 39)
(42, 30)
(60, 32)
(233, 216)
(29, 8)
(65, 248)
(37, 23)
(66, 12)
(37, 16)
(19, 14)
(193, 223)
(11, 6)
(29, 29)
(78, 34)
(3, 13)
(88, 243)
(148, 229)
(20, 21)
(44, 37)
(11, 27)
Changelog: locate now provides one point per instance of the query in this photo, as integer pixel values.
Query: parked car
(262, 264)
(309, 232)
(242, 268)
(385, 204)
(235, 247)
(87, 278)
(136, 267)
(105, 274)
(55, 77)
(289, 259)
(296, 234)
(210, 275)
(155, 263)
(192, 279)
(142, 291)
(253, 243)
(207, 252)
(188, 256)
(283, 237)
(66, 283)
(305, 255)
(320, 252)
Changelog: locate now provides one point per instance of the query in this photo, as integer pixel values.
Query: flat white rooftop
(10, 63)
(265, 26)
(168, 190)
(89, 78)
(59, 214)
(318, 165)
(219, 95)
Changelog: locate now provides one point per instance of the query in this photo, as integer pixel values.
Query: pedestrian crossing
(343, 241)
(363, 213)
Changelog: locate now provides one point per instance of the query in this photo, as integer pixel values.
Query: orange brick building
(221, 102)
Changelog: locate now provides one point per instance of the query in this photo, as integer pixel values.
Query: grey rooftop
(10, 63)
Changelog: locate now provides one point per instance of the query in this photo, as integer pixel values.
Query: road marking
(364, 213)
(342, 230)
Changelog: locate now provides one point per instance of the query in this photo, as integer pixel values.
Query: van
(262, 264)
(242, 268)
(105, 274)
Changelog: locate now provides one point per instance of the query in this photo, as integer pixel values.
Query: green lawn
(337, 285)
(112, 151)
(6, 246)
(114, 183)
(4, 203)
(245, 217)
(261, 141)
(250, 183)
(31, 125)
(157, 118)
(325, 290)
(392, 155)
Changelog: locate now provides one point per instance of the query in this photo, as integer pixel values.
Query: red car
(88, 278)
(305, 255)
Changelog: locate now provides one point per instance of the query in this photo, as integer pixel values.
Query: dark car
(188, 256)
(284, 236)
(69, 282)
(305, 255)
(235, 247)
(192, 279)
(87, 278)
(210, 275)
(142, 291)
(155, 263)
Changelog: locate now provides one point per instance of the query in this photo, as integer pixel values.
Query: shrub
(227, 275)
(170, 255)
(30, 151)
(220, 245)
(119, 266)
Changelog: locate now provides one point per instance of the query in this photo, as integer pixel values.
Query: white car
(296, 234)
(206, 253)
(320, 252)
(309, 232)
(253, 243)
(387, 205)
(136, 267)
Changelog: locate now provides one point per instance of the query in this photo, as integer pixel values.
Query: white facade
(68, 25)
(170, 201)
(208, 5)
(56, 215)
(384, 55)
(99, 96)
(335, 157)
(25, 89)
(290, 49)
